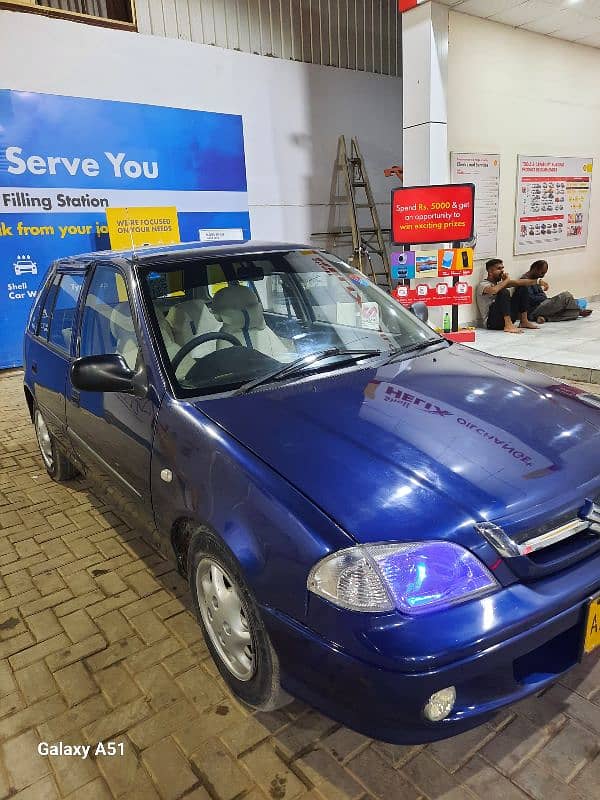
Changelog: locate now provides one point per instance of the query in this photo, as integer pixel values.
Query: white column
(424, 95)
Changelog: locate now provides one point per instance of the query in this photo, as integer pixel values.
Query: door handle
(34, 367)
(75, 397)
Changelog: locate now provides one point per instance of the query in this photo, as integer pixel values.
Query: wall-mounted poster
(553, 203)
(65, 160)
(484, 171)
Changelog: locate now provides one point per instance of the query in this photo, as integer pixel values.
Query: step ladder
(369, 252)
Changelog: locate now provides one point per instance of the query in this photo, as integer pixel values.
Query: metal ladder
(368, 241)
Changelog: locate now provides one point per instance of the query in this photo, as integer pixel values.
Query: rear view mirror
(106, 373)
(420, 311)
(250, 272)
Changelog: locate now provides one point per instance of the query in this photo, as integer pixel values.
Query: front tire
(57, 464)
(233, 629)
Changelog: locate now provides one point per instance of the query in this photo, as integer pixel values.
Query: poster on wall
(484, 171)
(65, 160)
(553, 203)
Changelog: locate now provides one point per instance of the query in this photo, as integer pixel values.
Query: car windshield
(228, 321)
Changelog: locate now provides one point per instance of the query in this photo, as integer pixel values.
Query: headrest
(120, 320)
(237, 307)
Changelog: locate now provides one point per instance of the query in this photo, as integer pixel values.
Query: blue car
(400, 531)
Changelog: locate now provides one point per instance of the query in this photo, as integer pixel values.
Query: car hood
(424, 447)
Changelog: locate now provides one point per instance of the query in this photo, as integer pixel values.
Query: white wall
(514, 92)
(292, 112)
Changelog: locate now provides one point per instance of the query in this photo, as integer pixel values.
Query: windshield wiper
(302, 363)
(415, 347)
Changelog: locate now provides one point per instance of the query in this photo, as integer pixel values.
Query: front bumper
(385, 700)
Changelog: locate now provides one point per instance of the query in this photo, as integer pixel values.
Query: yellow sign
(137, 227)
(592, 627)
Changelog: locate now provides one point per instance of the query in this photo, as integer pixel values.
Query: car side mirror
(420, 311)
(107, 373)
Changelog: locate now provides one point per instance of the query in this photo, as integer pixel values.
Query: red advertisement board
(433, 214)
(440, 295)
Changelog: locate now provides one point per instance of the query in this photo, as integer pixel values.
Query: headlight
(415, 578)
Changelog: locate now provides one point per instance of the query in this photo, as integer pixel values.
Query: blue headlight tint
(428, 576)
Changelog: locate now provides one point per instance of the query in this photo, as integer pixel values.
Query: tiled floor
(574, 343)
(97, 644)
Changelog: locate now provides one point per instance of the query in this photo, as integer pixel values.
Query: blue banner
(64, 160)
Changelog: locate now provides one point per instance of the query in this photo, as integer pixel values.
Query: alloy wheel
(225, 618)
(44, 440)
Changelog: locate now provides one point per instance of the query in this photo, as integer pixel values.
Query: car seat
(123, 333)
(193, 318)
(241, 313)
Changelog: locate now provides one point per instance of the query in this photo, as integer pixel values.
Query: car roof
(145, 256)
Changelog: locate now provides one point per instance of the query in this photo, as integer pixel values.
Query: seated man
(498, 309)
(560, 308)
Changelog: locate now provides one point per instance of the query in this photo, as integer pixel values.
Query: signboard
(441, 294)
(406, 5)
(65, 160)
(138, 227)
(432, 214)
(553, 203)
(484, 172)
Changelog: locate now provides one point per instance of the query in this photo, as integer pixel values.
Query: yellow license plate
(592, 627)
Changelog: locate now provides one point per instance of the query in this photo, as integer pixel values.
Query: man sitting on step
(541, 308)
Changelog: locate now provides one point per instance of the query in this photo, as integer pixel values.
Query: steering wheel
(204, 337)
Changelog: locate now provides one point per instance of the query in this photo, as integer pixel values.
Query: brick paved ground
(97, 643)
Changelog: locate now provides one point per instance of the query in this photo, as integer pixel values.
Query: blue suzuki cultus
(400, 531)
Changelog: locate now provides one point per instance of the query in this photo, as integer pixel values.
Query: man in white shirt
(498, 309)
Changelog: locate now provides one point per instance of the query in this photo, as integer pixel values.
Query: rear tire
(57, 464)
(233, 629)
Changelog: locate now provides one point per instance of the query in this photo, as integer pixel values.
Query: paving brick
(584, 711)
(242, 737)
(117, 721)
(344, 743)
(78, 625)
(113, 654)
(201, 689)
(15, 644)
(44, 625)
(426, 775)
(75, 683)
(75, 718)
(271, 773)
(48, 583)
(487, 783)
(18, 600)
(103, 606)
(116, 685)
(149, 627)
(381, 779)
(34, 714)
(44, 789)
(569, 751)
(110, 583)
(158, 687)
(73, 772)
(123, 773)
(38, 651)
(588, 780)
(219, 771)
(330, 778)
(80, 583)
(162, 723)
(114, 626)
(142, 583)
(76, 652)
(192, 736)
(169, 769)
(23, 763)
(153, 654)
(179, 662)
(7, 684)
(306, 730)
(170, 609)
(541, 784)
(185, 627)
(90, 601)
(36, 682)
(95, 790)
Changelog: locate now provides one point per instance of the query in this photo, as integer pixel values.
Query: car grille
(552, 546)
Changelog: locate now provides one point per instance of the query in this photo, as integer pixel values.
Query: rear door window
(63, 313)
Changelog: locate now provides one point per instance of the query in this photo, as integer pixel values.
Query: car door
(49, 352)
(111, 432)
